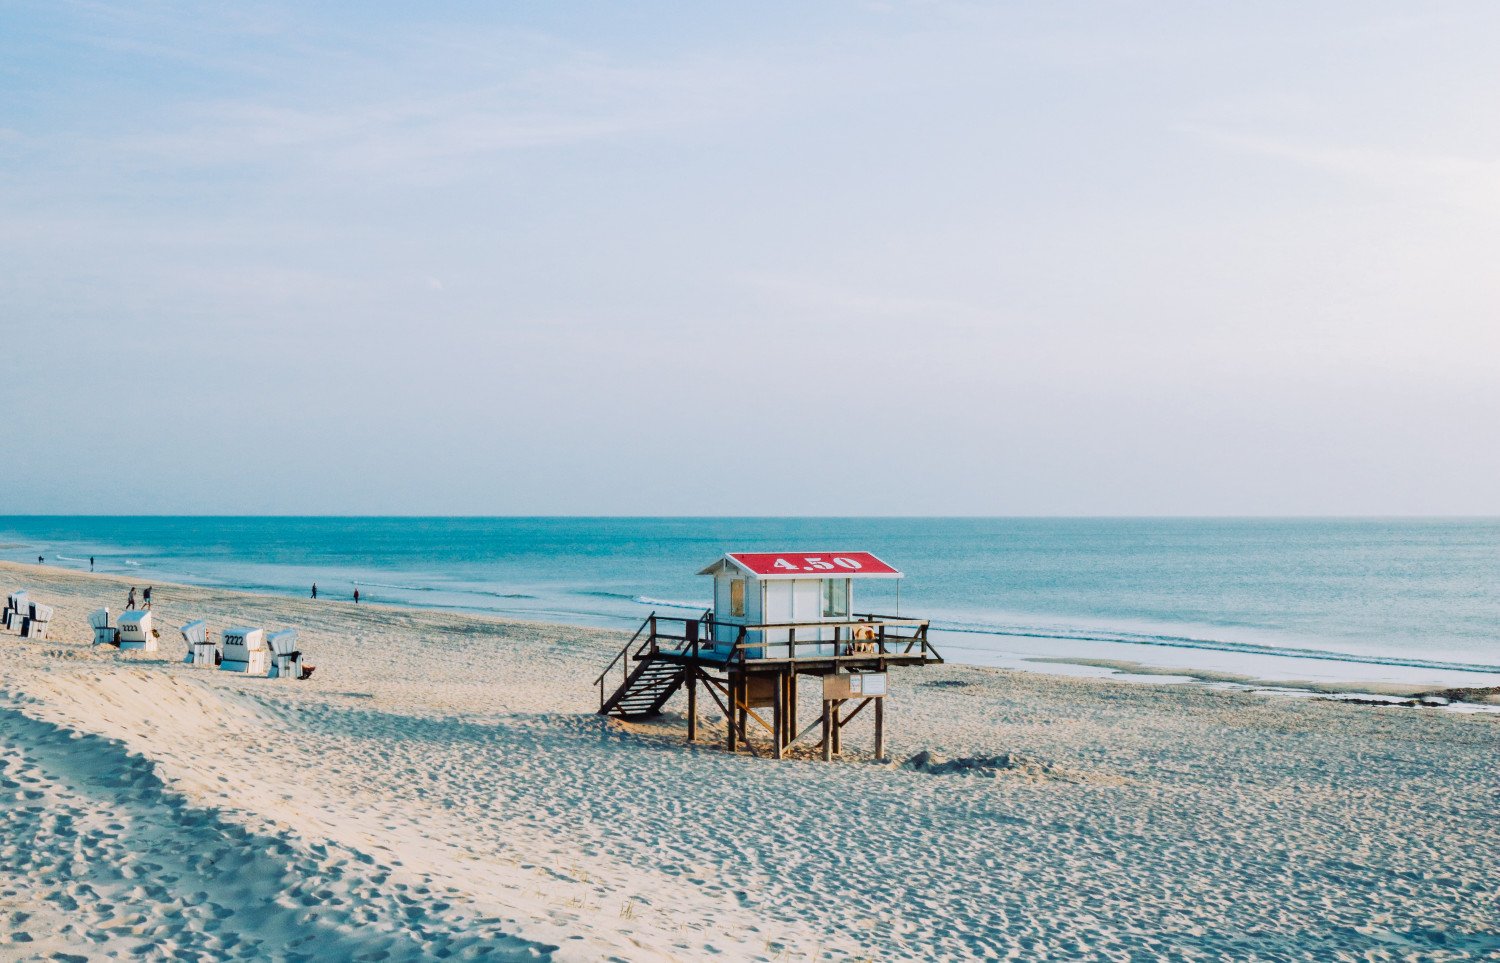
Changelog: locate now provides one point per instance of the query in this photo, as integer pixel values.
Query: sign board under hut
(855, 685)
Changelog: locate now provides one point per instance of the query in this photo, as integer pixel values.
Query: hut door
(807, 606)
(779, 608)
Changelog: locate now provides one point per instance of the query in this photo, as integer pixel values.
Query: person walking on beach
(315, 590)
(130, 602)
(40, 560)
(146, 597)
(356, 596)
(91, 563)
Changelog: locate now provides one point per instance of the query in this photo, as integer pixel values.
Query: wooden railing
(621, 659)
(650, 645)
(886, 635)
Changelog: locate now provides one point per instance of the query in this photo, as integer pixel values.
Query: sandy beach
(441, 788)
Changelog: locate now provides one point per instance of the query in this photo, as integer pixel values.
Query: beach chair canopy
(41, 613)
(252, 639)
(134, 618)
(195, 633)
(99, 618)
(283, 642)
(18, 599)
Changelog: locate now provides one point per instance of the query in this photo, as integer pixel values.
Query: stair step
(648, 686)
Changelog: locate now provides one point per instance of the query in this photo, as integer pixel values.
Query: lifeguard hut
(776, 616)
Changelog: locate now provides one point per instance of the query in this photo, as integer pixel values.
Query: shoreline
(1484, 698)
(1276, 600)
(1342, 677)
(442, 785)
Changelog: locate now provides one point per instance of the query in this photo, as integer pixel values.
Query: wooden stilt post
(879, 729)
(827, 731)
(692, 684)
(732, 720)
(742, 713)
(838, 728)
(778, 715)
(790, 705)
(791, 687)
(779, 723)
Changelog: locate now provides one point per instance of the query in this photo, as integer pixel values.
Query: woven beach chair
(200, 651)
(37, 622)
(16, 608)
(286, 658)
(245, 650)
(137, 632)
(104, 633)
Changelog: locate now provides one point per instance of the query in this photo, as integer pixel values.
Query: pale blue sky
(880, 258)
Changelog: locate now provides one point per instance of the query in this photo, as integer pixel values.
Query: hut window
(737, 597)
(835, 598)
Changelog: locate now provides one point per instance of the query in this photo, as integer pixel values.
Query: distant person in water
(130, 602)
(91, 563)
(315, 590)
(40, 560)
(356, 596)
(146, 597)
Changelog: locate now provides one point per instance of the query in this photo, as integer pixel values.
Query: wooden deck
(742, 670)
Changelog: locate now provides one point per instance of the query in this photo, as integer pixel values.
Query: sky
(921, 258)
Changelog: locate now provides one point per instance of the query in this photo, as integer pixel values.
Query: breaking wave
(455, 590)
(670, 603)
(1190, 642)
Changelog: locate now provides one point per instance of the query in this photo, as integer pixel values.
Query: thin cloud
(1457, 179)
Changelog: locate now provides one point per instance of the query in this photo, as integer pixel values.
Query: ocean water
(1298, 598)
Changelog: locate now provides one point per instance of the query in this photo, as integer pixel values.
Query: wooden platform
(745, 668)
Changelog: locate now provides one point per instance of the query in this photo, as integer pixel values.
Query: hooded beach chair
(104, 633)
(137, 632)
(286, 658)
(35, 625)
(16, 608)
(200, 651)
(245, 650)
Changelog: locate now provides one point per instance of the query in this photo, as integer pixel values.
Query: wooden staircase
(644, 689)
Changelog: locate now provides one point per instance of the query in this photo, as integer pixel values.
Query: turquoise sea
(1363, 598)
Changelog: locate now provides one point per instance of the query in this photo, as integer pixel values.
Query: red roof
(816, 564)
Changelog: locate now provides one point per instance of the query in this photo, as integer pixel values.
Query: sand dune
(440, 788)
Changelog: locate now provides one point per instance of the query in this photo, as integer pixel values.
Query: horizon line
(1311, 516)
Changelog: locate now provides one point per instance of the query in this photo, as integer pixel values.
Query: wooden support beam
(786, 709)
(713, 687)
(792, 704)
(838, 728)
(810, 727)
(879, 730)
(692, 686)
(742, 708)
(778, 700)
(827, 730)
(732, 715)
(778, 722)
(745, 715)
(745, 728)
(789, 702)
(857, 710)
